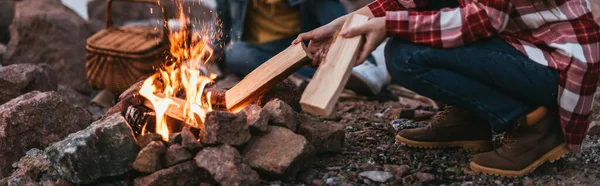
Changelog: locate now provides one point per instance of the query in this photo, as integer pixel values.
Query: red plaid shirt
(564, 37)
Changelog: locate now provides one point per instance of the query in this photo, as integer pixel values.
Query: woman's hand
(374, 31)
(320, 39)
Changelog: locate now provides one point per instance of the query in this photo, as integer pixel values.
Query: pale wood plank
(323, 91)
(266, 76)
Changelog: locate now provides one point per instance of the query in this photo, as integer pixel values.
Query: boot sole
(467, 145)
(555, 154)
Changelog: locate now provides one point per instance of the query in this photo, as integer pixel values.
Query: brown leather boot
(525, 148)
(452, 127)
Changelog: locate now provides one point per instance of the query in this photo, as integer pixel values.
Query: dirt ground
(370, 145)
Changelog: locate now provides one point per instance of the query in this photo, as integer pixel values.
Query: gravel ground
(370, 146)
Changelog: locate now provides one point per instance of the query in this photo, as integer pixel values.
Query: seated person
(256, 30)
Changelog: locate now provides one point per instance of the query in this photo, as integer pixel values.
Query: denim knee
(243, 57)
(404, 60)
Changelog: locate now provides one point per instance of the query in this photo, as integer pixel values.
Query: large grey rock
(279, 152)
(22, 78)
(257, 118)
(183, 174)
(35, 120)
(45, 31)
(177, 154)
(149, 159)
(281, 114)
(222, 127)
(226, 166)
(104, 149)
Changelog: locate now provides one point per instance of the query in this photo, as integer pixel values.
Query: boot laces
(508, 141)
(443, 113)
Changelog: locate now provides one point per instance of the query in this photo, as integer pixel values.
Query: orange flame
(190, 52)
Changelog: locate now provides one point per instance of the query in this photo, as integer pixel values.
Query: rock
(73, 96)
(424, 177)
(149, 159)
(279, 152)
(35, 120)
(189, 140)
(378, 176)
(226, 166)
(282, 114)
(398, 171)
(226, 128)
(333, 181)
(401, 124)
(257, 118)
(45, 31)
(29, 168)
(7, 13)
(23, 78)
(126, 12)
(177, 154)
(174, 138)
(285, 91)
(146, 139)
(324, 137)
(107, 145)
(179, 175)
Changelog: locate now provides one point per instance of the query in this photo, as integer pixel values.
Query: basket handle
(109, 22)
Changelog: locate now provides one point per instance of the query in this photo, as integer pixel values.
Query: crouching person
(527, 69)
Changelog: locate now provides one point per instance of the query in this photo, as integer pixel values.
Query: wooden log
(323, 91)
(173, 111)
(266, 76)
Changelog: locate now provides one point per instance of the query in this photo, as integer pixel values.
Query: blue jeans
(489, 76)
(242, 57)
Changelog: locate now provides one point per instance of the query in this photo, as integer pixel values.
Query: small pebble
(378, 176)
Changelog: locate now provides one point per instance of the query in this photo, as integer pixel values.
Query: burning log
(176, 108)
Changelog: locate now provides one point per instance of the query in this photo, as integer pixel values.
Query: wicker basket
(118, 56)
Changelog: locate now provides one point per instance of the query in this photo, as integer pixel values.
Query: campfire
(177, 89)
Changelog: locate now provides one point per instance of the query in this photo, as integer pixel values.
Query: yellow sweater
(269, 20)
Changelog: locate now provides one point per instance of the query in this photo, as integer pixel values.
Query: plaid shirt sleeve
(446, 28)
